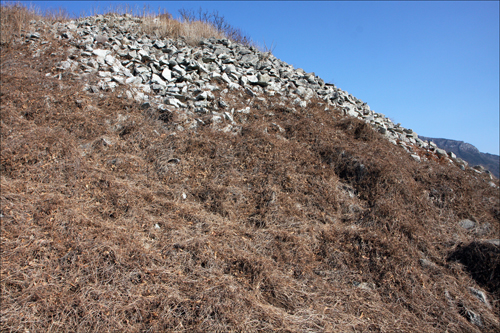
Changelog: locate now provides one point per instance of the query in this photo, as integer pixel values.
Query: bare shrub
(218, 22)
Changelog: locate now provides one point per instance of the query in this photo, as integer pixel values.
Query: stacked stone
(168, 73)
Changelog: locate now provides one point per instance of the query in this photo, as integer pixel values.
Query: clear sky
(432, 66)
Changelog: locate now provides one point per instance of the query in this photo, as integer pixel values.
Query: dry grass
(192, 26)
(165, 26)
(317, 228)
(15, 20)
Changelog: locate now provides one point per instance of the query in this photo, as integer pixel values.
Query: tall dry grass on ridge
(165, 26)
(162, 24)
(192, 25)
(15, 20)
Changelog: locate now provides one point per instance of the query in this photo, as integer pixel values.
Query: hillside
(160, 184)
(469, 153)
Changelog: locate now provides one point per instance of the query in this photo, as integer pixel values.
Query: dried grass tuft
(165, 26)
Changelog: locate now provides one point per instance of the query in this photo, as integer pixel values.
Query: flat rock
(467, 224)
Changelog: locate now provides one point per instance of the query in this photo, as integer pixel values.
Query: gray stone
(167, 74)
(216, 119)
(133, 80)
(252, 79)
(209, 59)
(100, 53)
(141, 70)
(228, 116)
(34, 35)
(201, 110)
(301, 91)
(67, 35)
(192, 65)
(119, 79)
(201, 104)
(441, 152)
(249, 92)
(202, 96)
(310, 77)
(263, 80)
(471, 316)
(234, 86)
(226, 78)
(230, 69)
(159, 44)
(480, 295)
(156, 79)
(495, 242)
(67, 64)
(479, 168)
(368, 286)
(467, 224)
(172, 101)
(215, 76)
(415, 157)
(425, 263)
(179, 70)
(249, 60)
(144, 55)
(133, 55)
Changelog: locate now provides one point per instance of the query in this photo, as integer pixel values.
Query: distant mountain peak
(468, 153)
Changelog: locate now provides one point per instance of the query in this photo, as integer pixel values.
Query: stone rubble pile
(172, 76)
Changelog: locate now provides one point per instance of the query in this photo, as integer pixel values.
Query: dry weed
(165, 26)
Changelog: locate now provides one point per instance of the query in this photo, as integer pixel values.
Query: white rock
(119, 79)
(226, 78)
(134, 80)
(110, 60)
(415, 157)
(104, 74)
(101, 53)
(167, 74)
(156, 79)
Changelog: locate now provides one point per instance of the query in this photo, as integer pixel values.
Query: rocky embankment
(177, 78)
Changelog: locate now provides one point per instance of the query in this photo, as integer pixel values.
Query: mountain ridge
(468, 153)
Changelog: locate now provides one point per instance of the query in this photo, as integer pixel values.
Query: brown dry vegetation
(165, 25)
(317, 228)
(193, 26)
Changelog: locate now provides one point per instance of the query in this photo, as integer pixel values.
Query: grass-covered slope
(303, 222)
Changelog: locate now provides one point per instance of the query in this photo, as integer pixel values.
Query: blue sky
(431, 66)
